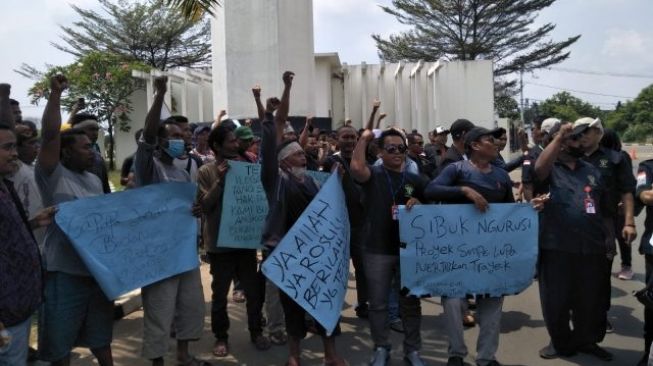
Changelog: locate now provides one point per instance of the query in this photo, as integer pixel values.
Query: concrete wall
(254, 42)
(421, 95)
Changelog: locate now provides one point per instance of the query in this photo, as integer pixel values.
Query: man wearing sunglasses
(385, 187)
(572, 260)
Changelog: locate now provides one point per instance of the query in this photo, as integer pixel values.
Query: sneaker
(412, 358)
(625, 274)
(596, 351)
(397, 326)
(608, 327)
(381, 357)
(261, 342)
(468, 319)
(455, 361)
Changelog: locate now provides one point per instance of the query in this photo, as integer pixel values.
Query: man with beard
(89, 124)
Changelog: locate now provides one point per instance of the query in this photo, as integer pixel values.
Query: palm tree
(193, 9)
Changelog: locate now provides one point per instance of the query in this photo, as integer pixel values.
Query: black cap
(459, 127)
(476, 133)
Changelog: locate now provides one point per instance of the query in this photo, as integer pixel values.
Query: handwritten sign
(133, 238)
(454, 250)
(311, 263)
(244, 207)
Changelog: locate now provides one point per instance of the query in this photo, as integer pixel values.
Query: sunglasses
(395, 149)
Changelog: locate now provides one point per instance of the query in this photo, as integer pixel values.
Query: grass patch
(114, 178)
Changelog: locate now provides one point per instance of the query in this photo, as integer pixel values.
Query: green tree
(500, 30)
(506, 107)
(193, 9)
(147, 31)
(568, 108)
(634, 118)
(104, 80)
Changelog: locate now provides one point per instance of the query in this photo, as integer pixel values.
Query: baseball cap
(582, 124)
(440, 130)
(476, 133)
(459, 127)
(548, 124)
(244, 133)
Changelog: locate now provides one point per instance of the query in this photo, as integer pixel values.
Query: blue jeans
(393, 300)
(16, 355)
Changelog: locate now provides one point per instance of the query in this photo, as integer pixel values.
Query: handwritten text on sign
(454, 250)
(244, 207)
(311, 263)
(133, 238)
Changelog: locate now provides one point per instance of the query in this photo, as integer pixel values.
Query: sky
(615, 40)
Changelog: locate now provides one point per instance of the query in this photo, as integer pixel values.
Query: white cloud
(626, 42)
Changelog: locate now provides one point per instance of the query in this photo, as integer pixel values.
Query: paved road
(522, 331)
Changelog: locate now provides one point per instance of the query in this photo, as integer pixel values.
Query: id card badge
(395, 212)
(590, 208)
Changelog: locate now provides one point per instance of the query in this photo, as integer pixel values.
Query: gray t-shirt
(148, 169)
(64, 185)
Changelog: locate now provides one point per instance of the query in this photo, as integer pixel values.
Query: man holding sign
(385, 187)
(226, 262)
(474, 181)
(178, 297)
(75, 309)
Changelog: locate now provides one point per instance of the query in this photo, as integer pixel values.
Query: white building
(254, 42)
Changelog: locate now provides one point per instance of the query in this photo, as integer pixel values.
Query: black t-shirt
(451, 156)
(384, 189)
(353, 191)
(528, 165)
(495, 186)
(645, 183)
(617, 176)
(127, 166)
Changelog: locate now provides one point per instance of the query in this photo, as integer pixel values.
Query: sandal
(193, 361)
(292, 361)
(261, 342)
(220, 349)
(238, 296)
(278, 338)
(469, 320)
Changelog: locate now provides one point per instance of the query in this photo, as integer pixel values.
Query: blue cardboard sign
(311, 262)
(133, 238)
(454, 250)
(244, 207)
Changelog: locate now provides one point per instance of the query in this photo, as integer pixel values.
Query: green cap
(244, 133)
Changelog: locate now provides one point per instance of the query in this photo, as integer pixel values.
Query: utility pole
(521, 95)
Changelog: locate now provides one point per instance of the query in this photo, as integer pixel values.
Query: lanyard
(394, 192)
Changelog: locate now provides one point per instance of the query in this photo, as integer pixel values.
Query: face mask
(298, 171)
(176, 148)
(576, 152)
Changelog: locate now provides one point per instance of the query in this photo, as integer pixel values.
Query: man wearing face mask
(289, 191)
(618, 177)
(187, 161)
(571, 266)
(178, 297)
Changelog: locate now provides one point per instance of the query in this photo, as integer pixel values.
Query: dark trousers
(572, 287)
(648, 312)
(359, 272)
(295, 317)
(223, 268)
(625, 250)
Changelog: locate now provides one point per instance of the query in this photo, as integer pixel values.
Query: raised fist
(5, 90)
(161, 84)
(58, 83)
(376, 103)
(256, 90)
(287, 78)
(272, 104)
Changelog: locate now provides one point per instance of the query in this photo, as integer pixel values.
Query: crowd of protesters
(574, 173)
